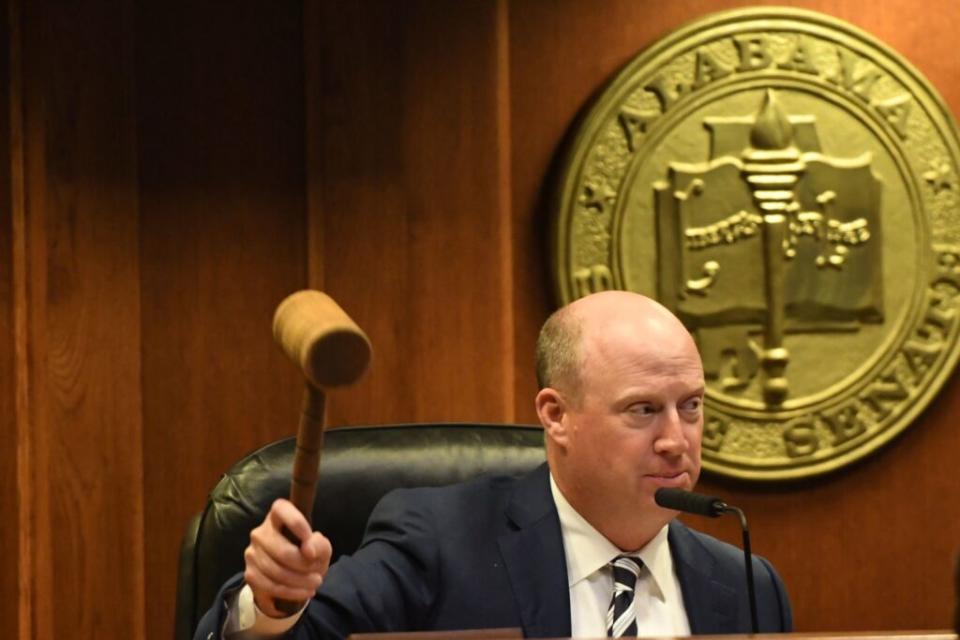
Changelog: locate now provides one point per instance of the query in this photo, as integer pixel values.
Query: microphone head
(689, 502)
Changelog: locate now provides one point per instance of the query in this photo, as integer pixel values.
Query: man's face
(637, 423)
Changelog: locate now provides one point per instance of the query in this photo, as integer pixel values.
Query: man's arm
(775, 599)
(275, 568)
(390, 583)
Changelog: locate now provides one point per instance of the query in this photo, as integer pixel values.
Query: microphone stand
(747, 563)
(703, 505)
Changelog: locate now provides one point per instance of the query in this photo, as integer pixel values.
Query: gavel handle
(306, 468)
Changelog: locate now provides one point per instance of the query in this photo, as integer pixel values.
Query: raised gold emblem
(788, 187)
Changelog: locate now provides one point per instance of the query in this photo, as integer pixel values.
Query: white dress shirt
(657, 596)
(243, 615)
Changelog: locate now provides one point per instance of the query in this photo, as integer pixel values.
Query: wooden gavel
(332, 351)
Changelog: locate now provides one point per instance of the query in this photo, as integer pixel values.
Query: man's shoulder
(706, 565)
(697, 547)
(687, 539)
(488, 491)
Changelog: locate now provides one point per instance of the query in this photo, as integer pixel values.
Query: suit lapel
(534, 558)
(711, 605)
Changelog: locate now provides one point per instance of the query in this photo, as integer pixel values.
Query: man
(578, 547)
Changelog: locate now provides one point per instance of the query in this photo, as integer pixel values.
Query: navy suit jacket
(488, 553)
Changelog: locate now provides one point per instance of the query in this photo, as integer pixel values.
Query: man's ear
(552, 411)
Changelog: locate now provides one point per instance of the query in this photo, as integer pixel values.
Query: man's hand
(277, 568)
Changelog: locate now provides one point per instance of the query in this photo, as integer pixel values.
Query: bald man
(576, 548)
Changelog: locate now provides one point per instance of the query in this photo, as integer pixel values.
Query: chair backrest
(359, 465)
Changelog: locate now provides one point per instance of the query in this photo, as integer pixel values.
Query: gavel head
(319, 336)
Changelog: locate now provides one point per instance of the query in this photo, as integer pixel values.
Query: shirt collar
(588, 551)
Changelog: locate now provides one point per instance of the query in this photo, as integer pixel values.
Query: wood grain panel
(83, 308)
(221, 138)
(406, 139)
(11, 171)
(869, 547)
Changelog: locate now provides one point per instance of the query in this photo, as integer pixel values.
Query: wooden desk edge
(512, 634)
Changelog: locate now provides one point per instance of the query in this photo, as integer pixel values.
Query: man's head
(621, 402)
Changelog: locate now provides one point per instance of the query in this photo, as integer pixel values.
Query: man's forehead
(682, 362)
(665, 335)
(687, 375)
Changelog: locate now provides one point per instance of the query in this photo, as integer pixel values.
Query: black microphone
(701, 505)
(690, 502)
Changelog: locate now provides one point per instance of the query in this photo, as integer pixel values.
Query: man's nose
(671, 439)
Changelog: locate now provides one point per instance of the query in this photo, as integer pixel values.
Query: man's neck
(629, 530)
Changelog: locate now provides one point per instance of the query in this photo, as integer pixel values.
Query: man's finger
(267, 541)
(284, 514)
(276, 573)
(263, 587)
(316, 548)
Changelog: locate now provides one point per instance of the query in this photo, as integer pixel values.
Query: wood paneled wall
(171, 170)
(11, 212)
(82, 531)
(410, 203)
(222, 241)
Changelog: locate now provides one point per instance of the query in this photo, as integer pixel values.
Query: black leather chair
(359, 466)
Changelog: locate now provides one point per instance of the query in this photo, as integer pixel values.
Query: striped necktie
(621, 616)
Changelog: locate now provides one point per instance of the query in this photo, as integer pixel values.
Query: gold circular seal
(787, 185)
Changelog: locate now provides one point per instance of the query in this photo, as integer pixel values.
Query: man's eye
(643, 409)
(693, 404)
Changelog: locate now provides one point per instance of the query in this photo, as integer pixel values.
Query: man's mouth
(670, 479)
